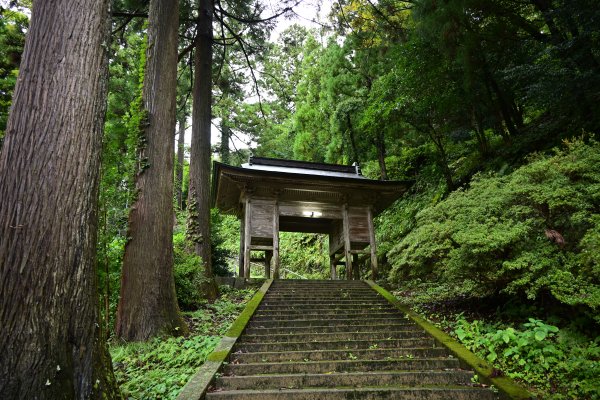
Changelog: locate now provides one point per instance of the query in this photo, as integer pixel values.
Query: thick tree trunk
(180, 160)
(199, 191)
(52, 346)
(148, 304)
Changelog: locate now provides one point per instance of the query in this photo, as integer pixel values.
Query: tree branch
(260, 20)
(132, 15)
(242, 44)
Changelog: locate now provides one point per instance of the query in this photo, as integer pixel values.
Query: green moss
(218, 356)
(506, 385)
(240, 323)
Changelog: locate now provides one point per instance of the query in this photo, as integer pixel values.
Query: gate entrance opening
(273, 195)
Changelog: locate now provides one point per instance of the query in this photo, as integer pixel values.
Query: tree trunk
(225, 136)
(180, 160)
(199, 191)
(505, 109)
(352, 139)
(381, 155)
(438, 141)
(52, 346)
(148, 304)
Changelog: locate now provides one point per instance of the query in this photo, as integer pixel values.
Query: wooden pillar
(242, 248)
(355, 267)
(268, 257)
(276, 240)
(347, 246)
(373, 244)
(247, 238)
(333, 267)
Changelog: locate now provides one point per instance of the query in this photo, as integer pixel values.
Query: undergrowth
(552, 362)
(159, 368)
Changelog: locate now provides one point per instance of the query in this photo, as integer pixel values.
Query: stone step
(323, 293)
(323, 307)
(365, 291)
(318, 288)
(330, 340)
(330, 289)
(325, 367)
(322, 355)
(336, 345)
(311, 302)
(336, 282)
(332, 329)
(350, 379)
(293, 314)
(435, 393)
(319, 316)
(327, 337)
(274, 323)
(312, 297)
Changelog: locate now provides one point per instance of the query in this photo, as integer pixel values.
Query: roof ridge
(278, 162)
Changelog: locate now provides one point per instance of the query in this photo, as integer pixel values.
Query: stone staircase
(338, 340)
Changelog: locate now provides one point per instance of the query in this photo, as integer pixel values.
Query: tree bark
(180, 160)
(381, 153)
(52, 346)
(199, 191)
(225, 136)
(148, 304)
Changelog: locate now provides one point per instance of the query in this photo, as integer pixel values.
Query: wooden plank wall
(261, 224)
(336, 237)
(359, 224)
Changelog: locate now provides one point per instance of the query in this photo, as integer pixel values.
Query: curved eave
(226, 196)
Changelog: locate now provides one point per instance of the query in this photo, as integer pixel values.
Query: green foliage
(13, 26)
(531, 232)
(110, 278)
(159, 369)
(558, 363)
(118, 163)
(225, 239)
(304, 255)
(188, 273)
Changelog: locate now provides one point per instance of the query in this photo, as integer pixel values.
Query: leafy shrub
(188, 274)
(558, 363)
(531, 232)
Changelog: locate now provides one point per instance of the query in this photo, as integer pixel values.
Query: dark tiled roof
(303, 167)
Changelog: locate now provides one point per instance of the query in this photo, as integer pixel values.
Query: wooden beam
(332, 264)
(242, 248)
(247, 238)
(347, 247)
(373, 244)
(260, 247)
(355, 267)
(276, 240)
(268, 257)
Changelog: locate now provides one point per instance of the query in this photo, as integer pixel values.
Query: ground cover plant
(159, 368)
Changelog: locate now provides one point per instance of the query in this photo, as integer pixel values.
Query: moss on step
(196, 387)
(484, 370)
